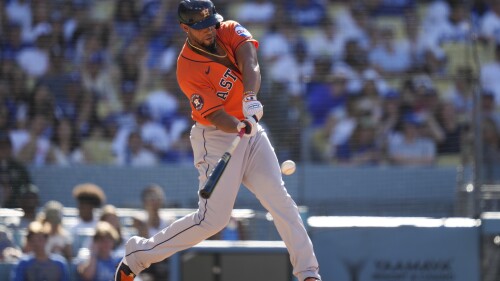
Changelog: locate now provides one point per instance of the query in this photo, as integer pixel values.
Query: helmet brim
(209, 21)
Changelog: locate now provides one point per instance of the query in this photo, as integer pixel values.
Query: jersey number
(226, 82)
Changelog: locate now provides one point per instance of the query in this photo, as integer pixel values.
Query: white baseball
(288, 167)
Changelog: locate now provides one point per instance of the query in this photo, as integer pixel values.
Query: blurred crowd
(345, 82)
(51, 242)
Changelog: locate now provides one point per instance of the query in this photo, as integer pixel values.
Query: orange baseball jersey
(210, 85)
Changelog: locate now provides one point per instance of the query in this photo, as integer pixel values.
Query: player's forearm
(223, 121)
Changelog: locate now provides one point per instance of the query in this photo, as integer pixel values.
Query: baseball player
(218, 71)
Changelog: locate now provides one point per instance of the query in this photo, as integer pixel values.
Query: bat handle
(236, 141)
(241, 132)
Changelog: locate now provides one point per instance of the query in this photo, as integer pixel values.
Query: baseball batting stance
(218, 71)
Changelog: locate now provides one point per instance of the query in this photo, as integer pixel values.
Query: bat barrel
(214, 177)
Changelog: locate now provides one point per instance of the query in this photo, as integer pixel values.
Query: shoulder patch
(197, 101)
(241, 31)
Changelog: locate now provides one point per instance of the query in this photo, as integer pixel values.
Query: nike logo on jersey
(208, 70)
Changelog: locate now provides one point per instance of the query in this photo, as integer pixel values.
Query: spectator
(361, 149)
(20, 96)
(97, 78)
(9, 251)
(4, 118)
(306, 13)
(40, 21)
(267, 10)
(455, 28)
(490, 23)
(132, 64)
(370, 96)
(354, 24)
(436, 14)
(89, 197)
(400, 8)
(153, 199)
(29, 202)
(328, 42)
(390, 55)
(12, 43)
(109, 214)
(180, 152)
(13, 174)
(59, 239)
(277, 51)
(40, 265)
(74, 17)
(420, 94)
(409, 147)
(92, 46)
(57, 76)
(125, 120)
(353, 64)
(343, 122)
(136, 153)
(35, 60)
(452, 148)
(325, 93)
(8, 106)
(97, 147)
(75, 104)
(489, 109)
(33, 145)
(460, 93)
(153, 134)
(19, 12)
(489, 74)
(390, 120)
(126, 22)
(65, 148)
(162, 101)
(41, 101)
(100, 264)
(491, 149)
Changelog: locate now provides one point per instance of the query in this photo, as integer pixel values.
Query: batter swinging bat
(216, 173)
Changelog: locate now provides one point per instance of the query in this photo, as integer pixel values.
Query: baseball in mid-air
(288, 167)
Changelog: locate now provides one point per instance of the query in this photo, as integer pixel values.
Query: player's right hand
(250, 126)
(252, 107)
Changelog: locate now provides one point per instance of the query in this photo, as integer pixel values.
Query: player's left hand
(250, 126)
(252, 107)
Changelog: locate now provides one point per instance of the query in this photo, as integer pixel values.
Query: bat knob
(204, 194)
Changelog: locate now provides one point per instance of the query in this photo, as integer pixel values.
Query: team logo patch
(197, 101)
(205, 12)
(241, 31)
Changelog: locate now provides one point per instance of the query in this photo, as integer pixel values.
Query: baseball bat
(216, 173)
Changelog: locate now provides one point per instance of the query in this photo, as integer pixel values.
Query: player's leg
(212, 215)
(263, 177)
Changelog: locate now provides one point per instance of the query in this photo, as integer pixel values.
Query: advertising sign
(399, 253)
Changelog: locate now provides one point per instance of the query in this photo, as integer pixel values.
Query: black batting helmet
(198, 14)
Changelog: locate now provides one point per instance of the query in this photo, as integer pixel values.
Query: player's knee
(216, 225)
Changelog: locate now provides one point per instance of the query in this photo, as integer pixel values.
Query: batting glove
(251, 106)
(250, 125)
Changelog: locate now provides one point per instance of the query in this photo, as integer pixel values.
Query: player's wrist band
(249, 93)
